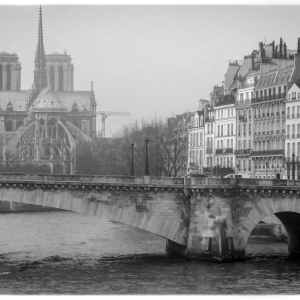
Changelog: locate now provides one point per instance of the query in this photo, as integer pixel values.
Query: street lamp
(132, 162)
(147, 173)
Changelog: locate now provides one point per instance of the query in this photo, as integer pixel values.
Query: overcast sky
(147, 60)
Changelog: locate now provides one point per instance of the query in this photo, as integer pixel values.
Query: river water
(69, 253)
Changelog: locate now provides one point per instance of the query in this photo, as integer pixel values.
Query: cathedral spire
(40, 73)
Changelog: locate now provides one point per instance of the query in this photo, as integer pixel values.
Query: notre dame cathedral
(43, 125)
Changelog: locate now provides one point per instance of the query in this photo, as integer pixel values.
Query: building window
(8, 126)
(52, 77)
(8, 70)
(61, 79)
(1, 77)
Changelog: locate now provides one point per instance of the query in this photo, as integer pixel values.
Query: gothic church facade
(43, 125)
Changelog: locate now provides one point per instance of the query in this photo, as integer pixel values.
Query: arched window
(61, 79)
(52, 77)
(48, 149)
(8, 126)
(8, 71)
(1, 77)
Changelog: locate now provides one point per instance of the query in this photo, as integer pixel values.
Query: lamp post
(147, 173)
(293, 166)
(132, 162)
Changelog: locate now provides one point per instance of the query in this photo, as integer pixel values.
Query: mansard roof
(82, 99)
(298, 83)
(273, 78)
(62, 101)
(47, 101)
(55, 53)
(18, 100)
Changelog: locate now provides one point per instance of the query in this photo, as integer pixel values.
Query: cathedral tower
(40, 72)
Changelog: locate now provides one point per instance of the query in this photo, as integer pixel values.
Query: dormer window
(75, 108)
(9, 106)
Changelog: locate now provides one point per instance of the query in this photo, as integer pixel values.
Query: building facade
(244, 121)
(225, 124)
(292, 141)
(196, 139)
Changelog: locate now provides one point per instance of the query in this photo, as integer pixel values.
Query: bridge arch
(287, 210)
(151, 211)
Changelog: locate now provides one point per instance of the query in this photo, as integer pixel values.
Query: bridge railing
(91, 178)
(234, 182)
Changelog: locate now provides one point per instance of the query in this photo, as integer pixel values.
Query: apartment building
(225, 123)
(268, 107)
(244, 121)
(196, 139)
(209, 136)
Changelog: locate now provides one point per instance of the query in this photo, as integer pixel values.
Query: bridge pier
(212, 234)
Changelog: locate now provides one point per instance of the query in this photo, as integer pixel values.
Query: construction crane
(105, 114)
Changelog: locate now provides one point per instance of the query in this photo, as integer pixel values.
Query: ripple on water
(77, 254)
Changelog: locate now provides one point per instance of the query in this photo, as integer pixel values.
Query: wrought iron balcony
(209, 119)
(268, 98)
(228, 150)
(242, 152)
(289, 159)
(267, 152)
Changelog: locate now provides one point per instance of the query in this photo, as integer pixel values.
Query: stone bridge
(201, 218)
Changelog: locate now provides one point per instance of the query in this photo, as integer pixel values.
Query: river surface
(69, 253)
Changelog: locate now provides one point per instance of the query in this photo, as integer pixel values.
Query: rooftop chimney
(280, 49)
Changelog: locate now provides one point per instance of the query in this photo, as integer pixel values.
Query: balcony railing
(209, 119)
(224, 151)
(268, 98)
(242, 152)
(228, 150)
(267, 152)
(243, 118)
(245, 86)
(289, 159)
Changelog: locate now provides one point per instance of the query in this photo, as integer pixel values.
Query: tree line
(168, 150)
